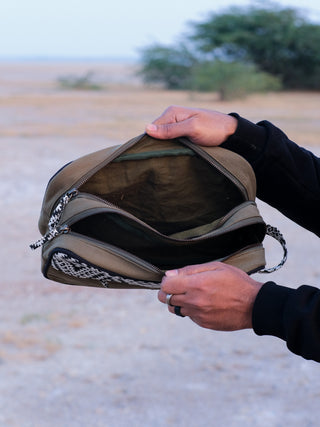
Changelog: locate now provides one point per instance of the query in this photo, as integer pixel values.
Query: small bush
(84, 82)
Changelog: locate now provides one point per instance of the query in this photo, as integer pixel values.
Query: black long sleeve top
(288, 178)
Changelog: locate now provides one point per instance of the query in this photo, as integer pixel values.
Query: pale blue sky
(104, 28)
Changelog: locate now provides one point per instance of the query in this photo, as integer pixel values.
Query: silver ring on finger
(168, 298)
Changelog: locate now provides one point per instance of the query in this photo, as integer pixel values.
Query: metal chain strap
(275, 233)
(53, 228)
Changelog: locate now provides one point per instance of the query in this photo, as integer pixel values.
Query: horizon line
(66, 58)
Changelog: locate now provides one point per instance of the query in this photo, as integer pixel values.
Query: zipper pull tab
(54, 229)
(50, 235)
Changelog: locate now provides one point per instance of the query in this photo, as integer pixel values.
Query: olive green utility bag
(122, 216)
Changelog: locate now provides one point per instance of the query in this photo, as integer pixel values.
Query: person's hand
(214, 295)
(203, 127)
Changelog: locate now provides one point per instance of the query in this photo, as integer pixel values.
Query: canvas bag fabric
(122, 216)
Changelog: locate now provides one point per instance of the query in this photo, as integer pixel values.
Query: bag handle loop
(275, 233)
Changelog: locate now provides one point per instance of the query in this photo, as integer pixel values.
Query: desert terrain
(80, 357)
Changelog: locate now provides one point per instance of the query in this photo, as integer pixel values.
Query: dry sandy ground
(79, 357)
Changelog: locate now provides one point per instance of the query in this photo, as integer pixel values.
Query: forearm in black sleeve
(292, 315)
(288, 176)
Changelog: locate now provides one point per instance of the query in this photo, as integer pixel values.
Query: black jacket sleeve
(288, 178)
(292, 315)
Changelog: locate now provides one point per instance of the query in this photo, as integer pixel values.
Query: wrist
(255, 288)
(231, 124)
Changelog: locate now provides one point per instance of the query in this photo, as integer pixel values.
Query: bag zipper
(185, 141)
(118, 251)
(54, 229)
(115, 209)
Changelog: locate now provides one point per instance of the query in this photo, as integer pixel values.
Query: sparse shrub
(84, 82)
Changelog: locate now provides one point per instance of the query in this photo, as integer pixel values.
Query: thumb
(196, 268)
(166, 131)
(172, 273)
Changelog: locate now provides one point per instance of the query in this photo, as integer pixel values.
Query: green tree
(277, 40)
(169, 66)
(231, 79)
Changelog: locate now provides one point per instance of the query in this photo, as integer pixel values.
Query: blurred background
(79, 76)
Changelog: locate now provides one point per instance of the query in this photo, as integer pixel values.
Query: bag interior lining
(126, 234)
(172, 192)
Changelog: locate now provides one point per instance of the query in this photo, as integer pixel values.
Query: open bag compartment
(166, 185)
(179, 198)
(162, 252)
